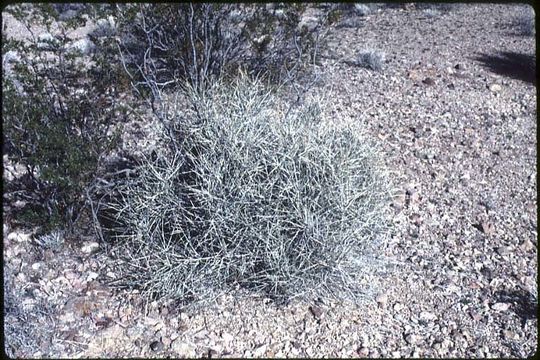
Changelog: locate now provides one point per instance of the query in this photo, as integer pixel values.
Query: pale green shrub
(245, 196)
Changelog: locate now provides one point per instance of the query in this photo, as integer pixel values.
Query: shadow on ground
(525, 305)
(511, 64)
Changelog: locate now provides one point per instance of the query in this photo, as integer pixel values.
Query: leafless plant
(21, 334)
(247, 197)
(164, 45)
(525, 21)
(52, 240)
(370, 59)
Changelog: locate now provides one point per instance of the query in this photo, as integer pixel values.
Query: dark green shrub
(57, 107)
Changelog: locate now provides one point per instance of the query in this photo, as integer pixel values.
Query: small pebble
(427, 316)
(227, 338)
(316, 312)
(90, 248)
(212, 353)
(495, 88)
(362, 352)
(500, 306)
(411, 339)
(156, 346)
(527, 245)
(382, 300)
(428, 81)
(92, 276)
(19, 237)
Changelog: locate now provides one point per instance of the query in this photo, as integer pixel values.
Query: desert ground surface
(454, 112)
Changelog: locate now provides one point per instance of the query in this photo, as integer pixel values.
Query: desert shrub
(164, 43)
(352, 15)
(52, 240)
(436, 9)
(249, 194)
(431, 12)
(370, 59)
(364, 9)
(58, 103)
(525, 21)
(21, 334)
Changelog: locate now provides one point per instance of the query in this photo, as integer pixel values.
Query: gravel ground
(454, 111)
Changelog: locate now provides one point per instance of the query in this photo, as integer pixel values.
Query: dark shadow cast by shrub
(514, 65)
(525, 305)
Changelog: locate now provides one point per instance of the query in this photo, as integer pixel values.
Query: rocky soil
(454, 112)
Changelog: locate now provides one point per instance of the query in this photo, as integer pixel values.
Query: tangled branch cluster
(251, 196)
(162, 43)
